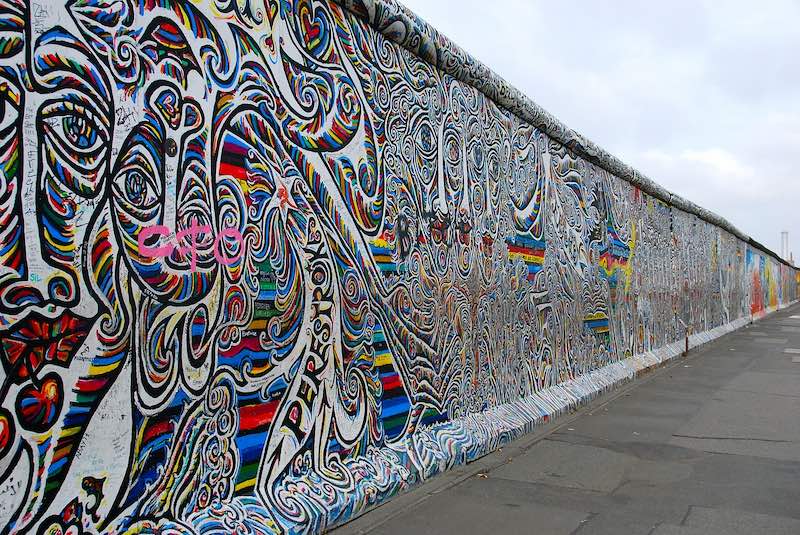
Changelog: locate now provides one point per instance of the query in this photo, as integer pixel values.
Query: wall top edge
(400, 25)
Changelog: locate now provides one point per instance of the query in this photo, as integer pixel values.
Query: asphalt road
(709, 444)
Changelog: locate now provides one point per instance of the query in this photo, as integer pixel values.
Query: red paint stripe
(525, 250)
(251, 417)
(251, 343)
(232, 170)
(157, 430)
(90, 385)
(391, 382)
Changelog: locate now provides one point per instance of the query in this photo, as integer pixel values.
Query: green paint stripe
(261, 314)
(248, 471)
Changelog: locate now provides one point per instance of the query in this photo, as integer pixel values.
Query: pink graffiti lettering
(190, 235)
(193, 232)
(153, 252)
(229, 232)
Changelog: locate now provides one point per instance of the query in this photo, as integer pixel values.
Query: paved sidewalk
(709, 444)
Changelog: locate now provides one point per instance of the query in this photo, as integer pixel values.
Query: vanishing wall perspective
(260, 267)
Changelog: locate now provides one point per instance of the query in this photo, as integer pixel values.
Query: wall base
(430, 451)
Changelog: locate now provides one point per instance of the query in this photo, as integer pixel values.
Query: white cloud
(719, 160)
(702, 99)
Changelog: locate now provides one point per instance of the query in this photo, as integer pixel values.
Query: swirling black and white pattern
(265, 264)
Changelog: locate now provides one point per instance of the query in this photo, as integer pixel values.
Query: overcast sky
(703, 97)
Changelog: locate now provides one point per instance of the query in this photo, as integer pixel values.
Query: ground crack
(702, 437)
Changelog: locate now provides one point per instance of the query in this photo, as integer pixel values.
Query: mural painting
(770, 282)
(260, 267)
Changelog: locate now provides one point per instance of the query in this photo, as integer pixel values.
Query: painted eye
(75, 128)
(136, 188)
(136, 183)
(425, 139)
(452, 150)
(76, 143)
(79, 131)
(477, 154)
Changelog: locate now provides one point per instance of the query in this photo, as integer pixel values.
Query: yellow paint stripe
(383, 359)
(246, 484)
(69, 431)
(534, 259)
(101, 370)
(258, 370)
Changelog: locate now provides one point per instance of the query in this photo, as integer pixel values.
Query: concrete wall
(772, 283)
(261, 267)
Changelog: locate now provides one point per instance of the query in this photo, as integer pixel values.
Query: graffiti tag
(154, 233)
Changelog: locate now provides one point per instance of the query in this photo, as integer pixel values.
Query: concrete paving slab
(735, 522)
(778, 363)
(463, 512)
(569, 465)
(615, 524)
(720, 481)
(669, 529)
(508, 490)
(774, 481)
(785, 450)
(634, 516)
(646, 451)
(745, 423)
(767, 340)
(766, 383)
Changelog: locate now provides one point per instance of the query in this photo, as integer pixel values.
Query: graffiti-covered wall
(262, 268)
(772, 283)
